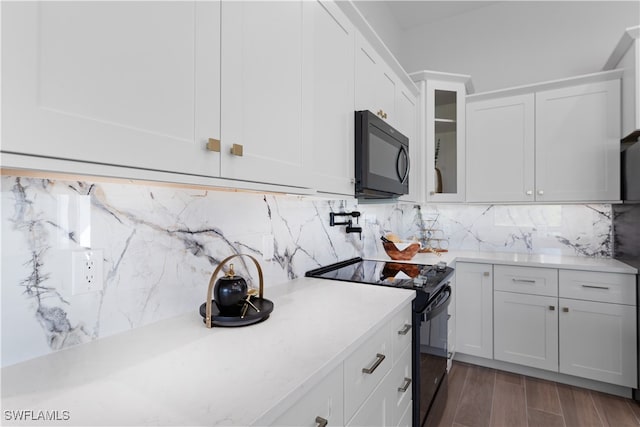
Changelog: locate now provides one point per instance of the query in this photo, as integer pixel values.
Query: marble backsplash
(161, 243)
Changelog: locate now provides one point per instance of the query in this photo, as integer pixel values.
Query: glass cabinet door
(445, 141)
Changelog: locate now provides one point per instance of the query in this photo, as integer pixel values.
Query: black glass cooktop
(427, 278)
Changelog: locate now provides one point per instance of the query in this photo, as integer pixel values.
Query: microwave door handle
(403, 177)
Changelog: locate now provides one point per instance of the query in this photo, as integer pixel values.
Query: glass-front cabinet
(443, 113)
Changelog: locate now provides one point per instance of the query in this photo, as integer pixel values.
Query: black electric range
(429, 325)
(424, 278)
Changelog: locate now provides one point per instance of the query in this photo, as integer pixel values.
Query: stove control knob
(441, 266)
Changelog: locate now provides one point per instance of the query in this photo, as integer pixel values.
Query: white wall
(513, 43)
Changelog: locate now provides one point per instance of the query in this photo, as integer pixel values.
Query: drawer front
(374, 357)
(324, 401)
(399, 388)
(401, 331)
(617, 288)
(526, 280)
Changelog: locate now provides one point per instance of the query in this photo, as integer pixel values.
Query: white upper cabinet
(328, 100)
(500, 144)
(626, 56)
(578, 143)
(554, 142)
(375, 82)
(102, 82)
(442, 125)
(262, 92)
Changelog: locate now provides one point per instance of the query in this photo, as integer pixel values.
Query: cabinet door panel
(324, 400)
(406, 122)
(501, 150)
(474, 309)
(526, 330)
(598, 341)
(375, 84)
(328, 74)
(578, 143)
(445, 141)
(262, 91)
(123, 93)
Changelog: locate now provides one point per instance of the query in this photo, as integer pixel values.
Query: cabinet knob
(565, 309)
(552, 307)
(236, 150)
(213, 145)
(486, 274)
(321, 422)
(405, 330)
(529, 193)
(540, 192)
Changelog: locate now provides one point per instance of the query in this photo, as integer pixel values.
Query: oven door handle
(439, 305)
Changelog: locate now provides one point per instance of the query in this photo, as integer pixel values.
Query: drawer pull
(405, 330)
(322, 422)
(379, 359)
(596, 287)
(486, 274)
(523, 280)
(565, 309)
(449, 355)
(552, 307)
(405, 386)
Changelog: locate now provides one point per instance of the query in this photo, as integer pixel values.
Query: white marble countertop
(551, 261)
(177, 372)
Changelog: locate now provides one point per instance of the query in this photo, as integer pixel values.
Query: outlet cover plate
(86, 271)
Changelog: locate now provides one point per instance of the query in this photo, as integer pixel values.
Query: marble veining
(160, 244)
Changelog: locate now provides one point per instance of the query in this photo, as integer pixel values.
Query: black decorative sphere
(228, 292)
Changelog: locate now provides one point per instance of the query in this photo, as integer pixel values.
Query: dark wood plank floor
(483, 397)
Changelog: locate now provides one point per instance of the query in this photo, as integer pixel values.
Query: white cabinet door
(445, 141)
(328, 74)
(375, 84)
(526, 329)
(102, 82)
(501, 149)
(474, 309)
(262, 91)
(598, 341)
(578, 143)
(325, 400)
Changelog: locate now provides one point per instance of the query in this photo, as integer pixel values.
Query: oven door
(431, 358)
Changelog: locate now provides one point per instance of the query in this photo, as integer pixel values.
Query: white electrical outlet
(86, 271)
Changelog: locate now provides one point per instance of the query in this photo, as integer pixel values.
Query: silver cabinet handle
(529, 193)
(523, 280)
(322, 422)
(405, 330)
(541, 192)
(552, 307)
(379, 359)
(404, 387)
(449, 355)
(565, 309)
(595, 287)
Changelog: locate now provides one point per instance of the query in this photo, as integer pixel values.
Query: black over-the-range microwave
(382, 158)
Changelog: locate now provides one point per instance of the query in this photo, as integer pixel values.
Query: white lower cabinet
(580, 323)
(526, 329)
(325, 402)
(371, 387)
(474, 309)
(598, 329)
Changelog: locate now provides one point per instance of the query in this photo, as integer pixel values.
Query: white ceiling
(409, 14)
